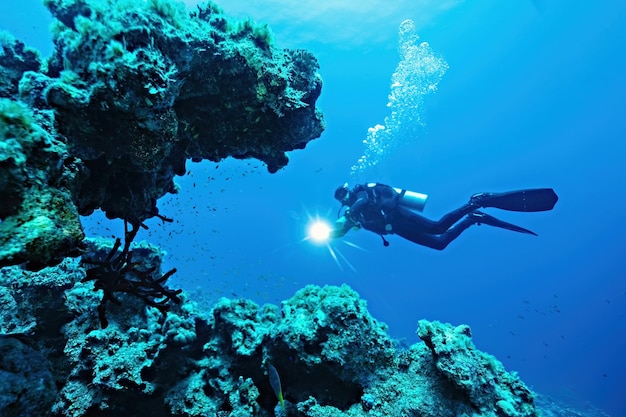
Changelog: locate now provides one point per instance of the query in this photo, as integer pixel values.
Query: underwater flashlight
(319, 231)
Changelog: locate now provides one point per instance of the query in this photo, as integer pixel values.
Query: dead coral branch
(117, 273)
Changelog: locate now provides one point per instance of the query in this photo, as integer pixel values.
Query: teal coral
(39, 222)
(332, 324)
(26, 381)
(15, 59)
(482, 377)
(154, 86)
(334, 358)
(132, 91)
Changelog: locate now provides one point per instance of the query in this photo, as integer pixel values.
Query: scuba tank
(411, 199)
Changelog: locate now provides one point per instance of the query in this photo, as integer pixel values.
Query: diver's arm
(348, 220)
(342, 226)
(362, 199)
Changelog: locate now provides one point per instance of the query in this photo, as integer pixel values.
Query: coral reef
(333, 358)
(479, 376)
(39, 223)
(132, 91)
(141, 87)
(115, 272)
(15, 59)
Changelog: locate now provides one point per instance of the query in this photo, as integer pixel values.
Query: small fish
(275, 383)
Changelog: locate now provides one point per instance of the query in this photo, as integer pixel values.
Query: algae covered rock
(324, 337)
(140, 87)
(132, 91)
(15, 59)
(26, 382)
(332, 357)
(39, 222)
(332, 326)
(489, 388)
(328, 333)
(51, 315)
(31, 314)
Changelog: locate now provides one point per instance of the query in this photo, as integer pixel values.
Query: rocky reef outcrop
(333, 357)
(131, 92)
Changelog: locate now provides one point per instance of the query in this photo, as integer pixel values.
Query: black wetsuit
(384, 210)
(378, 208)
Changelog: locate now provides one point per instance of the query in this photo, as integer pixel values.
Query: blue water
(534, 97)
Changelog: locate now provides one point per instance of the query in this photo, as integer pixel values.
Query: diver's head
(342, 194)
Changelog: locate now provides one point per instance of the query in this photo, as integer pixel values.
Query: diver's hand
(342, 226)
(339, 229)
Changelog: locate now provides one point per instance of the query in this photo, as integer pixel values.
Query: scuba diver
(388, 210)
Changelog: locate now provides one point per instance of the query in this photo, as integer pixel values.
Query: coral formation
(132, 91)
(334, 359)
(15, 59)
(480, 377)
(141, 87)
(39, 224)
(115, 272)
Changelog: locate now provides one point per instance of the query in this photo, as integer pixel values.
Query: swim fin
(482, 218)
(536, 199)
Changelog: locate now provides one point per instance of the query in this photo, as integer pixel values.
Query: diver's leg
(440, 226)
(454, 216)
(418, 229)
(435, 241)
